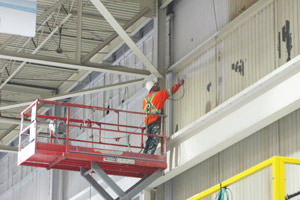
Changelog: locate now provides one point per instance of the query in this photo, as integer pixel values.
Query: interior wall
(195, 21)
(279, 138)
(245, 50)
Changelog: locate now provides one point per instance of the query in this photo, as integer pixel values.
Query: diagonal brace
(141, 185)
(122, 33)
(107, 180)
(95, 185)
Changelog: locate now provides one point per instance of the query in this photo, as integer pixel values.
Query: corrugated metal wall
(248, 52)
(287, 12)
(244, 55)
(198, 95)
(255, 43)
(236, 7)
(280, 138)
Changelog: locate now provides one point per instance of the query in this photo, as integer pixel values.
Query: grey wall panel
(198, 178)
(194, 23)
(198, 96)
(280, 138)
(237, 7)
(249, 52)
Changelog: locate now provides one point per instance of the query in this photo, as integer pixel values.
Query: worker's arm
(175, 88)
(165, 94)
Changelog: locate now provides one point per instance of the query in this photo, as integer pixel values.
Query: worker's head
(151, 86)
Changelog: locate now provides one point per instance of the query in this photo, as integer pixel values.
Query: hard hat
(149, 85)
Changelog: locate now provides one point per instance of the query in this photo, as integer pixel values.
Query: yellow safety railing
(277, 164)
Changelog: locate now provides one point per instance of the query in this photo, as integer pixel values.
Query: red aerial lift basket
(71, 142)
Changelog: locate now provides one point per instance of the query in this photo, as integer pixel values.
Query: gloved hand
(181, 82)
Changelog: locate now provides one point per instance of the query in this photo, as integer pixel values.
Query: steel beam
(29, 89)
(122, 33)
(79, 32)
(141, 185)
(8, 149)
(111, 183)
(36, 50)
(113, 36)
(79, 93)
(96, 17)
(95, 185)
(64, 63)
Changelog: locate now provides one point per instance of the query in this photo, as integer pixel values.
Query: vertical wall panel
(249, 52)
(236, 7)
(199, 93)
(290, 146)
(196, 179)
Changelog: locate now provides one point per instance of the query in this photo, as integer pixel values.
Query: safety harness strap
(150, 108)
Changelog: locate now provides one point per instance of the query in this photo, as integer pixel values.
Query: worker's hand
(181, 82)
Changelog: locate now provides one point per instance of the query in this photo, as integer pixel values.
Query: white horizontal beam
(122, 33)
(29, 89)
(56, 62)
(256, 107)
(79, 93)
(8, 149)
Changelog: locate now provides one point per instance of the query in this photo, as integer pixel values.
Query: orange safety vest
(153, 103)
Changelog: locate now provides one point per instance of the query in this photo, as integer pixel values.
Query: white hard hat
(149, 85)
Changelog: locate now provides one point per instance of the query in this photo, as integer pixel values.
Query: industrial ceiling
(72, 39)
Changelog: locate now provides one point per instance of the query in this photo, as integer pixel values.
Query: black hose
(292, 195)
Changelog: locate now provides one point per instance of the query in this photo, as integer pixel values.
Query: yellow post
(278, 179)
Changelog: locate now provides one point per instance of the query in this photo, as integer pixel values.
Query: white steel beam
(36, 50)
(79, 32)
(122, 33)
(79, 93)
(113, 36)
(8, 149)
(256, 107)
(29, 89)
(57, 62)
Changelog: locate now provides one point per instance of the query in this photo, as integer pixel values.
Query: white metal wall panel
(236, 7)
(23, 182)
(198, 96)
(250, 47)
(287, 10)
(290, 146)
(239, 157)
(196, 179)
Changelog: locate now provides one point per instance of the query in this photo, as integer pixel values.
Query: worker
(153, 105)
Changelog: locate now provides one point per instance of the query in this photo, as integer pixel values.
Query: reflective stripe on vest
(149, 107)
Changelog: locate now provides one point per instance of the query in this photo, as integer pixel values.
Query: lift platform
(77, 144)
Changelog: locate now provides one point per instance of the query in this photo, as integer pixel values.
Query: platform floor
(54, 156)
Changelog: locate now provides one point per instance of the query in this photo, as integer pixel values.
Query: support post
(278, 179)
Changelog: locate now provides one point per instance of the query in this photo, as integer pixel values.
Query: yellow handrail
(277, 164)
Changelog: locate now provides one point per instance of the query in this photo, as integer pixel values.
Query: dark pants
(152, 142)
